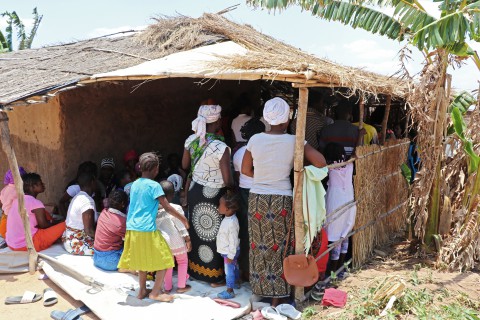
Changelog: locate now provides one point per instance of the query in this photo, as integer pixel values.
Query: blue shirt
(143, 207)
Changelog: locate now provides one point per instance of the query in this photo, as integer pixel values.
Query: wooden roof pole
(298, 178)
(361, 106)
(385, 119)
(12, 162)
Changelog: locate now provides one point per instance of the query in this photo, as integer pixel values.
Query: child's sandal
(226, 295)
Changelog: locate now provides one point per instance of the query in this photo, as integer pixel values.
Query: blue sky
(64, 21)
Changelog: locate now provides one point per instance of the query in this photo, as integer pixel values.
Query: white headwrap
(177, 181)
(276, 111)
(206, 114)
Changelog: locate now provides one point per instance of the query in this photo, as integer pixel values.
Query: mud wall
(36, 133)
(108, 119)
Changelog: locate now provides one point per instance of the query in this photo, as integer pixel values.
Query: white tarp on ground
(115, 301)
(195, 63)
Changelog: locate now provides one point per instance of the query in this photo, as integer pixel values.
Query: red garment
(130, 155)
(111, 229)
(334, 297)
(319, 246)
(44, 238)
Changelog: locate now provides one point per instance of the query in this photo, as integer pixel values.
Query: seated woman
(7, 196)
(111, 228)
(80, 223)
(44, 232)
(73, 188)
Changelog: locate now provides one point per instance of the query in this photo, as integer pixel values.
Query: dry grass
(27, 71)
(379, 187)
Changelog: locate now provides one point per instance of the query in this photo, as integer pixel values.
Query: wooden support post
(385, 119)
(361, 105)
(298, 178)
(12, 162)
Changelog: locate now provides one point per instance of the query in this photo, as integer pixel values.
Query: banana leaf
(459, 127)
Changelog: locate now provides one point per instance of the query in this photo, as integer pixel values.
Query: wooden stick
(12, 162)
(298, 168)
(385, 119)
(362, 113)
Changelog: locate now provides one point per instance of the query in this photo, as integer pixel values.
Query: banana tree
(15, 24)
(438, 38)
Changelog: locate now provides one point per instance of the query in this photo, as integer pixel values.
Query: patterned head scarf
(276, 111)
(107, 162)
(9, 176)
(206, 114)
(177, 181)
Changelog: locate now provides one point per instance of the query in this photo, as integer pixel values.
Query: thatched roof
(36, 71)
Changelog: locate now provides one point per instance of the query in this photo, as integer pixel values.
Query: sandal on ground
(272, 314)
(318, 291)
(70, 314)
(28, 297)
(227, 303)
(226, 295)
(289, 311)
(49, 297)
(183, 290)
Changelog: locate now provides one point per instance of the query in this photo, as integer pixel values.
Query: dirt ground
(431, 292)
(16, 284)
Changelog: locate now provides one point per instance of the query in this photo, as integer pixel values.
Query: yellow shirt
(371, 134)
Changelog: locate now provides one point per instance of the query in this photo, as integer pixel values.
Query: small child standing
(340, 192)
(177, 238)
(228, 242)
(145, 248)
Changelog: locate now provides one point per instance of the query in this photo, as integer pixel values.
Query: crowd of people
(221, 213)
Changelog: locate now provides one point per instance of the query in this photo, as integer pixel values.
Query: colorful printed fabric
(270, 218)
(77, 242)
(197, 150)
(205, 263)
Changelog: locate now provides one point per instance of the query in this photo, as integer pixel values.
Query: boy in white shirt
(228, 243)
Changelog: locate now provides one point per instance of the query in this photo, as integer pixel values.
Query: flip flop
(70, 314)
(227, 303)
(289, 311)
(272, 314)
(28, 297)
(49, 297)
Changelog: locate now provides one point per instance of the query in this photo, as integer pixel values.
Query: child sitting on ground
(177, 238)
(228, 242)
(111, 228)
(145, 248)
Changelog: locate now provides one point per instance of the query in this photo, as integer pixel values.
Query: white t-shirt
(79, 204)
(273, 160)
(207, 170)
(227, 237)
(245, 182)
(237, 124)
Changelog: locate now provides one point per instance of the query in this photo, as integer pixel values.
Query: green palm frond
(3, 43)
(33, 32)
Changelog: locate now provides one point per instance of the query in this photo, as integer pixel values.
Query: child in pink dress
(176, 235)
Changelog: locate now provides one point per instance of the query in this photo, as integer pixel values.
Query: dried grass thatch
(27, 72)
(379, 188)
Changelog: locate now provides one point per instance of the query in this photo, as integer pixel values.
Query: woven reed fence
(379, 188)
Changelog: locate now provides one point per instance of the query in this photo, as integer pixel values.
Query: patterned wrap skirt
(205, 263)
(270, 218)
(145, 251)
(76, 242)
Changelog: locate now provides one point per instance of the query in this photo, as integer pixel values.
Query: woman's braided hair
(251, 128)
(148, 161)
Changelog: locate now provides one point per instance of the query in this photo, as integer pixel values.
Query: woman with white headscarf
(208, 158)
(270, 200)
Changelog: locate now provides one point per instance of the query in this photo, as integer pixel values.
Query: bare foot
(218, 284)
(183, 290)
(143, 294)
(163, 297)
